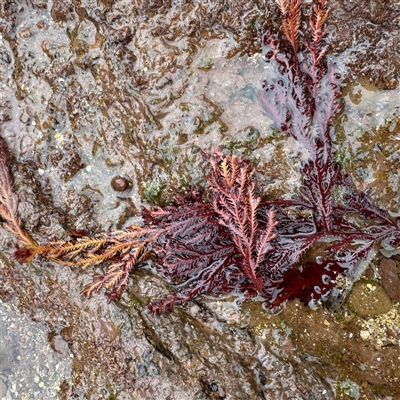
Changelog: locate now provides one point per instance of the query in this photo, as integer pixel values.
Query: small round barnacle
(120, 183)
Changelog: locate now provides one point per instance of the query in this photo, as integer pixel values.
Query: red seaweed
(232, 241)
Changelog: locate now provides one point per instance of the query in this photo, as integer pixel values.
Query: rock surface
(90, 90)
(368, 299)
(390, 280)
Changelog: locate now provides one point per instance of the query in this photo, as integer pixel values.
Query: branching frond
(291, 19)
(233, 198)
(121, 251)
(116, 278)
(315, 47)
(317, 22)
(9, 201)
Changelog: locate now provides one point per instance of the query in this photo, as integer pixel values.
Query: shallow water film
(106, 105)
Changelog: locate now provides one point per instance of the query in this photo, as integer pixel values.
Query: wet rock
(339, 347)
(55, 157)
(83, 204)
(166, 62)
(127, 58)
(4, 55)
(72, 164)
(87, 32)
(43, 25)
(41, 4)
(157, 4)
(3, 387)
(59, 345)
(88, 59)
(163, 82)
(383, 330)
(5, 109)
(68, 334)
(63, 10)
(150, 83)
(368, 299)
(106, 330)
(390, 280)
(125, 35)
(377, 24)
(60, 69)
(214, 390)
(108, 3)
(33, 362)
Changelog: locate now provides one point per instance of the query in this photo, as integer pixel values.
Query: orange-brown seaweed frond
(121, 251)
(291, 19)
(116, 278)
(9, 202)
(318, 26)
(229, 170)
(318, 19)
(87, 251)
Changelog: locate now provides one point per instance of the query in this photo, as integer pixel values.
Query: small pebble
(390, 280)
(120, 184)
(364, 335)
